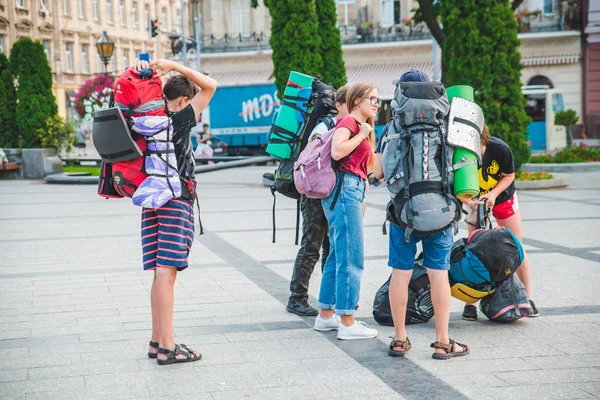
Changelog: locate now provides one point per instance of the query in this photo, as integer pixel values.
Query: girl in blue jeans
(352, 149)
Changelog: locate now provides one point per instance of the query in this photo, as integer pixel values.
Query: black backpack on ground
(321, 109)
(419, 308)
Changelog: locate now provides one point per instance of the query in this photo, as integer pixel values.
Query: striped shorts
(167, 235)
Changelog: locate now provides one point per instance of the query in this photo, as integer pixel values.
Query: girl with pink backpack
(352, 146)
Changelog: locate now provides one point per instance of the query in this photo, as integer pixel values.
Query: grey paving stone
(55, 351)
(15, 334)
(104, 305)
(547, 391)
(7, 326)
(278, 355)
(321, 343)
(39, 310)
(39, 341)
(12, 375)
(14, 318)
(182, 322)
(326, 364)
(83, 369)
(592, 388)
(566, 361)
(550, 376)
(277, 393)
(9, 389)
(77, 330)
(114, 336)
(20, 359)
(482, 382)
(253, 319)
(494, 353)
(119, 385)
(115, 318)
(195, 396)
(465, 366)
(273, 335)
(162, 381)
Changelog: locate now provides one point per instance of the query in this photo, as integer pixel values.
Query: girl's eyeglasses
(375, 101)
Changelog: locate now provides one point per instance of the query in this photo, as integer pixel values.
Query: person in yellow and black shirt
(497, 185)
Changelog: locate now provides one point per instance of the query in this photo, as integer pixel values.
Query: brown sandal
(404, 344)
(448, 347)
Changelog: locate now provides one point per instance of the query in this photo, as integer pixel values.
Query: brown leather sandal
(404, 344)
(448, 347)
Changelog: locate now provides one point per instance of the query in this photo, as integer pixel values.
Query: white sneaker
(359, 330)
(327, 324)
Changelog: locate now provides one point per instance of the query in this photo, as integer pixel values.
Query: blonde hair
(485, 135)
(356, 94)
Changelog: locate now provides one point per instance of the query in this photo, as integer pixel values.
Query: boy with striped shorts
(168, 231)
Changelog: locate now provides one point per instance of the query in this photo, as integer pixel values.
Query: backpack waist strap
(418, 188)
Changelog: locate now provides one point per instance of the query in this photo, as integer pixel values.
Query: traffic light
(154, 27)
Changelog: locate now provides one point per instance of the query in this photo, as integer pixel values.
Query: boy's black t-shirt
(183, 122)
(498, 159)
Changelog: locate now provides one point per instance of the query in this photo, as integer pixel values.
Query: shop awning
(381, 75)
(246, 77)
(551, 60)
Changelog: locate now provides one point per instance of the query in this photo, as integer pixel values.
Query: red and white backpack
(135, 93)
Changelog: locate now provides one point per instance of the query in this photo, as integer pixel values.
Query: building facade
(591, 85)
(381, 40)
(69, 29)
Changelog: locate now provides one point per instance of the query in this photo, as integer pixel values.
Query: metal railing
(528, 22)
(350, 35)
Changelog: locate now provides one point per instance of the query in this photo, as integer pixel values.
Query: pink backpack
(314, 172)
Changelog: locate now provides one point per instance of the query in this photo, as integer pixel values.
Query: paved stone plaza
(75, 316)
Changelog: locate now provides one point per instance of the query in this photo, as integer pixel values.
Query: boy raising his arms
(168, 231)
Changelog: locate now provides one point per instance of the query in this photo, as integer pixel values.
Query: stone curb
(72, 179)
(559, 181)
(573, 167)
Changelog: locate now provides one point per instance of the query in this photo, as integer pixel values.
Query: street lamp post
(105, 47)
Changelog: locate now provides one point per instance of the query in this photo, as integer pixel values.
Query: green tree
(58, 134)
(334, 69)
(294, 39)
(481, 49)
(8, 99)
(35, 101)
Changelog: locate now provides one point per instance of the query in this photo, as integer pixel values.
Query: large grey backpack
(417, 161)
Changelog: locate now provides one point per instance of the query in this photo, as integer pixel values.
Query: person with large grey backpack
(314, 226)
(415, 161)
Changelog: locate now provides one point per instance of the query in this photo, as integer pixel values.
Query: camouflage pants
(314, 237)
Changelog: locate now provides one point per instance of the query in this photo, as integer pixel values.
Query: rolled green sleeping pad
(293, 113)
(466, 179)
(462, 91)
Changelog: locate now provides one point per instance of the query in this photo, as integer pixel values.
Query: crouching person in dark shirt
(497, 186)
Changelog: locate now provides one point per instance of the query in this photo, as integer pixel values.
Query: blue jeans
(436, 249)
(340, 285)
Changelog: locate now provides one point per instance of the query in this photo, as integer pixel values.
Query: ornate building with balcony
(381, 40)
(68, 29)
(591, 87)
